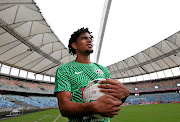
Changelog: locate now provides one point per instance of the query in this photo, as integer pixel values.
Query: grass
(43, 116)
(134, 113)
(149, 113)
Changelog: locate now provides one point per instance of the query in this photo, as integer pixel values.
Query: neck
(83, 59)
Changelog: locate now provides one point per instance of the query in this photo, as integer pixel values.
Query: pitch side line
(41, 118)
(57, 118)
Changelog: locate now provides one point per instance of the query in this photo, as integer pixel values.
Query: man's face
(84, 44)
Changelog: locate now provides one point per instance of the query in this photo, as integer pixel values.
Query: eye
(84, 37)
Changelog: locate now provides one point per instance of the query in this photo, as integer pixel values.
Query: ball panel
(92, 93)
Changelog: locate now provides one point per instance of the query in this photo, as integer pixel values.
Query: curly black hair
(74, 37)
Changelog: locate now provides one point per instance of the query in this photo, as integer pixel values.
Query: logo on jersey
(98, 71)
(78, 72)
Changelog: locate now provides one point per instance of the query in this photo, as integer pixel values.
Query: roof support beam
(149, 61)
(107, 6)
(18, 36)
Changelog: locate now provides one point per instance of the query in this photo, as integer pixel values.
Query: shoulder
(65, 66)
(100, 66)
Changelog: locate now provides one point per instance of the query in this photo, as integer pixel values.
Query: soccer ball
(92, 93)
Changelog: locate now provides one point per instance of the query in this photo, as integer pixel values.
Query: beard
(88, 51)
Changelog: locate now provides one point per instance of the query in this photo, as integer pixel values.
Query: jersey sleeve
(62, 82)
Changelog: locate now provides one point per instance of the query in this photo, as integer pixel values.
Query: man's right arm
(106, 105)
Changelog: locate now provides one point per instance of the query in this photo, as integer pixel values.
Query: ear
(74, 45)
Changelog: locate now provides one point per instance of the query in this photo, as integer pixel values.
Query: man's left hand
(114, 88)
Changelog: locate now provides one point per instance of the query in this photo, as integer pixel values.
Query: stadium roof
(28, 43)
(161, 56)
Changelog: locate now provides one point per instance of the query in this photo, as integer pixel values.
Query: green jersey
(74, 77)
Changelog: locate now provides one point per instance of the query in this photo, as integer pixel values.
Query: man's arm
(106, 105)
(114, 88)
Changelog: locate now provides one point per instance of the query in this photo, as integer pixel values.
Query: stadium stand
(10, 83)
(35, 93)
(156, 91)
(162, 84)
(153, 98)
(5, 104)
(18, 94)
(39, 102)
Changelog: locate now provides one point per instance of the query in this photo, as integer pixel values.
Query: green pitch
(149, 113)
(133, 113)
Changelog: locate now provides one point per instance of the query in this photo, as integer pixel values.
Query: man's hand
(114, 88)
(107, 106)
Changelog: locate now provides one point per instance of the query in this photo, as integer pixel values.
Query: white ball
(92, 93)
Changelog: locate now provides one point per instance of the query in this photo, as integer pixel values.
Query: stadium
(30, 53)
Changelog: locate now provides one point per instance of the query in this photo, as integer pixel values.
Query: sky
(132, 25)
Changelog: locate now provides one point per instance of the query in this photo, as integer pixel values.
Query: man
(71, 79)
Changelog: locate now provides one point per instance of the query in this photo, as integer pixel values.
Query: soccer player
(71, 79)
